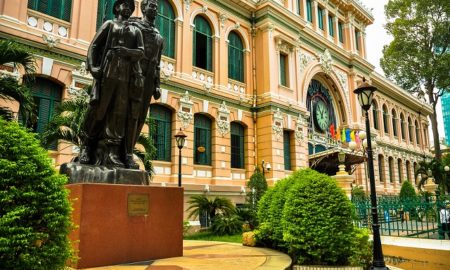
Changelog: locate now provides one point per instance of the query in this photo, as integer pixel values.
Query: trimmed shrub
(248, 239)
(35, 210)
(257, 183)
(317, 220)
(358, 194)
(407, 191)
(229, 225)
(361, 249)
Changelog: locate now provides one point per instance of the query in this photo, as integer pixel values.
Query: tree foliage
(10, 89)
(257, 186)
(310, 217)
(35, 211)
(418, 58)
(436, 167)
(407, 191)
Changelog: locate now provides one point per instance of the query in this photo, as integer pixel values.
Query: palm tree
(200, 204)
(10, 89)
(437, 170)
(66, 125)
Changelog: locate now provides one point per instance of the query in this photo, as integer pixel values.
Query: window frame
(236, 54)
(169, 18)
(64, 12)
(161, 124)
(200, 22)
(202, 132)
(237, 132)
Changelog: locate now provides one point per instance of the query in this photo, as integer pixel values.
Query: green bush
(317, 220)
(358, 194)
(407, 191)
(226, 225)
(257, 186)
(361, 249)
(35, 210)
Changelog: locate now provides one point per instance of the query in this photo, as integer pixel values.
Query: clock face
(321, 116)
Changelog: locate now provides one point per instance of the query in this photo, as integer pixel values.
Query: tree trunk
(434, 124)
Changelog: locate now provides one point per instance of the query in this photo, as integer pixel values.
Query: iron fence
(420, 217)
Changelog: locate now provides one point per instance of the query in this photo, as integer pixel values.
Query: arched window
(408, 170)
(391, 170)
(402, 126)
(47, 96)
(375, 115)
(162, 132)
(237, 145)
(235, 57)
(202, 48)
(381, 168)
(60, 9)
(394, 123)
(410, 130)
(202, 140)
(417, 132)
(400, 170)
(165, 22)
(309, 16)
(415, 169)
(104, 11)
(385, 119)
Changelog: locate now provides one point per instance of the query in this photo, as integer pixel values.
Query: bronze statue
(115, 109)
(154, 44)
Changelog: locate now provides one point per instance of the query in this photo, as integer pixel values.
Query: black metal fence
(421, 217)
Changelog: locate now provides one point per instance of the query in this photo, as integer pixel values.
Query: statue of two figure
(124, 59)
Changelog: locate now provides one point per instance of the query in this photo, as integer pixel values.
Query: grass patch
(208, 236)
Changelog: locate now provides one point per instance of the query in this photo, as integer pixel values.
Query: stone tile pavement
(210, 255)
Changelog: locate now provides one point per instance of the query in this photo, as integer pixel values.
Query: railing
(412, 217)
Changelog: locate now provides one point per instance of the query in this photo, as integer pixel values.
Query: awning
(327, 161)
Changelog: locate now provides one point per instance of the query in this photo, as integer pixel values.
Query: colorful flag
(332, 131)
(352, 136)
(347, 135)
(338, 135)
(357, 139)
(343, 139)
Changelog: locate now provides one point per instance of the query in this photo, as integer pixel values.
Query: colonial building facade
(250, 82)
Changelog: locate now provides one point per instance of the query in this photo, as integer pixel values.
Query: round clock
(321, 116)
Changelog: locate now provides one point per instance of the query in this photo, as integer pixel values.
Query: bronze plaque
(138, 204)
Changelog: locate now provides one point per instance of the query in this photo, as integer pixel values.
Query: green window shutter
(202, 138)
(298, 6)
(287, 150)
(341, 32)
(165, 22)
(235, 57)
(320, 17)
(309, 11)
(283, 75)
(202, 41)
(330, 26)
(104, 11)
(162, 135)
(237, 146)
(357, 39)
(60, 9)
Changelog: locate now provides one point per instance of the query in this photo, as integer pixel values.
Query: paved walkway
(210, 255)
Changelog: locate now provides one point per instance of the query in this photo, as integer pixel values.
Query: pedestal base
(81, 173)
(112, 229)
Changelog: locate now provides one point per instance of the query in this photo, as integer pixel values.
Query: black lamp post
(365, 95)
(180, 137)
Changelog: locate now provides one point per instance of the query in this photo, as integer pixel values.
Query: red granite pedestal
(107, 233)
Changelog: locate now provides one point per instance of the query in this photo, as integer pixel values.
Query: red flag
(332, 131)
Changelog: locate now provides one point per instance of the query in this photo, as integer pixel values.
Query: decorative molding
(50, 40)
(185, 114)
(187, 4)
(300, 123)
(326, 62)
(167, 70)
(223, 119)
(223, 18)
(277, 125)
(305, 59)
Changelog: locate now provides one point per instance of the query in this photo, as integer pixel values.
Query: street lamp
(365, 96)
(180, 137)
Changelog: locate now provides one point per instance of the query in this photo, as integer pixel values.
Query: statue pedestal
(81, 173)
(118, 224)
(344, 181)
